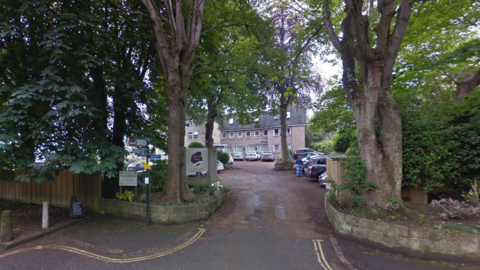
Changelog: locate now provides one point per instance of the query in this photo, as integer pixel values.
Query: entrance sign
(137, 142)
(197, 159)
(128, 178)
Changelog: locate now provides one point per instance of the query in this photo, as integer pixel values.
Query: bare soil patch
(27, 219)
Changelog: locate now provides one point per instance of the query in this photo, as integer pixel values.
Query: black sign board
(76, 209)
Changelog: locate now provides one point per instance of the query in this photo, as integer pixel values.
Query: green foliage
(440, 145)
(158, 175)
(196, 145)
(355, 185)
(456, 227)
(196, 187)
(128, 195)
(325, 147)
(342, 142)
(223, 157)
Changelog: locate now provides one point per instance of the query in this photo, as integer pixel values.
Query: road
(275, 220)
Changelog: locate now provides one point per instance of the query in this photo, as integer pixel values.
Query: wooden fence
(86, 187)
(335, 172)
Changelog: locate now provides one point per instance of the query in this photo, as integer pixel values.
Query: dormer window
(288, 115)
(230, 121)
(275, 117)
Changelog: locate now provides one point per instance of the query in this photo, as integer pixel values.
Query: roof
(298, 117)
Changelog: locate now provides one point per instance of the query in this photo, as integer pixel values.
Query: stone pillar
(7, 228)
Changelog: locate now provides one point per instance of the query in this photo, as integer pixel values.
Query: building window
(256, 133)
(288, 115)
(231, 136)
(248, 134)
(262, 148)
(224, 135)
(239, 135)
(228, 149)
(289, 146)
(238, 149)
(265, 133)
(195, 135)
(230, 121)
(190, 135)
(275, 117)
(289, 131)
(276, 147)
(256, 119)
(276, 132)
(250, 149)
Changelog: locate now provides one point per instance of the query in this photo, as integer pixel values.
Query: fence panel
(86, 187)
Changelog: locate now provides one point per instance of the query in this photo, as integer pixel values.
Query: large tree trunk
(283, 129)
(467, 86)
(177, 186)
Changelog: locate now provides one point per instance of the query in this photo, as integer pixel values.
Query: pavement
(273, 221)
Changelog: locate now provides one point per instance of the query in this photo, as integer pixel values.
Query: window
(289, 131)
(256, 133)
(190, 135)
(224, 135)
(238, 149)
(230, 121)
(276, 132)
(228, 149)
(276, 147)
(231, 136)
(288, 115)
(248, 134)
(239, 135)
(275, 117)
(256, 119)
(265, 133)
(262, 148)
(289, 146)
(195, 135)
(250, 149)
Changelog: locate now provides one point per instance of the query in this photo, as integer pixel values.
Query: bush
(223, 156)
(195, 145)
(455, 209)
(158, 176)
(355, 184)
(325, 147)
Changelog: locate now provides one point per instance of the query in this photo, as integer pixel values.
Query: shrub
(196, 187)
(223, 156)
(195, 145)
(158, 176)
(128, 195)
(455, 209)
(355, 185)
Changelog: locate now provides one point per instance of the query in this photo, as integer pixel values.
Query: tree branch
(328, 23)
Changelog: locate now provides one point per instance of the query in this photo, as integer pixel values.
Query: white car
(238, 156)
(230, 160)
(252, 156)
(220, 166)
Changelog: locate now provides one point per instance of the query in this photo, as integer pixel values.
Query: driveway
(275, 220)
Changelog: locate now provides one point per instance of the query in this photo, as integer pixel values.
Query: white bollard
(45, 216)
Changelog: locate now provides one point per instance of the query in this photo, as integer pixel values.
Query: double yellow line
(107, 259)
(320, 256)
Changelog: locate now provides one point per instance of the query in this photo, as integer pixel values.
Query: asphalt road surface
(275, 220)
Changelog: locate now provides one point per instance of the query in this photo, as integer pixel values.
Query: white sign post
(128, 178)
(196, 159)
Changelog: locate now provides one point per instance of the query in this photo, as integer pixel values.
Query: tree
(177, 27)
(291, 81)
(372, 35)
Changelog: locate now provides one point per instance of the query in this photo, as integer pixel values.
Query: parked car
(268, 156)
(322, 178)
(135, 167)
(300, 151)
(238, 156)
(259, 155)
(196, 173)
(252, 156)
(305, 154)
(220, 166)
(317, 166)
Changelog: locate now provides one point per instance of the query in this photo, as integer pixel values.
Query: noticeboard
(76, 209)
(128, 178)
(197, 159)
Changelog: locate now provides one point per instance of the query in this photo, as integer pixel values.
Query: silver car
(268, 156)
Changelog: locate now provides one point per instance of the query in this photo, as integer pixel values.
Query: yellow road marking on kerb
(320, 256)
(107, 259)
